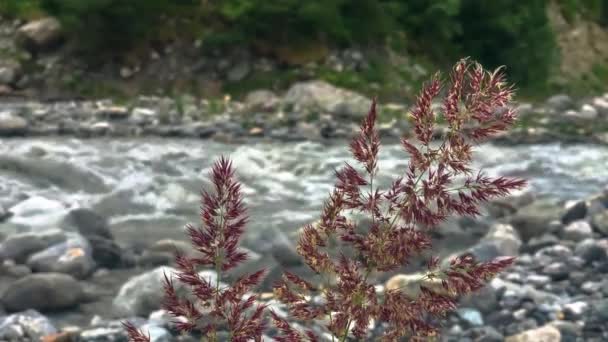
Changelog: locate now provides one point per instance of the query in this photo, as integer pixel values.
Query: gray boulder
(43, 292)
(73, 257)
(27, 325)
(322, 97)
(261, 101)
(39, 35)
(560, 102)
(20, 246)
(534, 219)
(143, 294)
(12, 124)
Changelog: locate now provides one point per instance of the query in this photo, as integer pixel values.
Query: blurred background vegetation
(516, 33)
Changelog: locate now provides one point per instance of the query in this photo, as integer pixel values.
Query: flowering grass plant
(438, 183)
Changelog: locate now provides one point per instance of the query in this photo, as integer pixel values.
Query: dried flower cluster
(437, 183)
(224, 219)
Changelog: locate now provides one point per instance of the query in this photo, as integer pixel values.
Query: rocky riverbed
(307, 111)
(88, 226)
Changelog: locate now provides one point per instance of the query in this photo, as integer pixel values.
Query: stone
(12, 124)
(73, 257)
(575, 211)
(505, 237)
(557, 271)
(322, 97)
(533, 220)
(239, 71)
(52, 172)
(471, 316)
(143, 294)
(590, 250)
(262, 101)
(600, 222)
(560, 102)
(9, 72)
(43, 292)
(20, 246)
(600, 308)
(87, 222)
(486, 334)
(39, 35)
(577, 231)
(601, 105)
(113, 112)
(588, 112)
(575, 310)
(547, 333)
(409, 284)
(29, 324)
(170, 246)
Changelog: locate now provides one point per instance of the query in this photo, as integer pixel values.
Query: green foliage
(592, 9)
(516, 34)
(116, 24)
(497, 32)
(19, 8)
(431, 25)
(294, 21)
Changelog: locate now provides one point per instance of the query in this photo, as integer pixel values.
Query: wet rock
(13, 270)
(574, 212)
(87, 222)
(505, 240)
(471, 316)
(484, 300)
(600, 222)
(103, 334)
(533, 220)
(10, 71)
(43, 292)
(119, 203)
(113, 112)
(410, 284)
(39, 35)
(95, 228)
(577, 231)
(73, 257)
(485, 334)
(601, 105)
(12, 124)
(46, 172)
(284, 251)
(320, 96)
(590, 250)
(20, 246)
(560, 102)
(547, 333)
(262, 101)
(29, 324)
(143, 294)
(239, 71)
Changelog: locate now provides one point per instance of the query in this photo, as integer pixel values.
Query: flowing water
(154, 183)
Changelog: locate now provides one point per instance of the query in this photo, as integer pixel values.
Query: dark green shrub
(111, 24)
(296, 21)
(512, 33)
(430, 25)
(19, 8)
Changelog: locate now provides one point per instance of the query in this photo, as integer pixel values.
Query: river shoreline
(314, 111)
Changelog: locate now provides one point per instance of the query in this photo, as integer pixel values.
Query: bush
(99, 25)
(517, 34)
(402, 217)
(500, 32)
(295, 21)
(19, 8)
